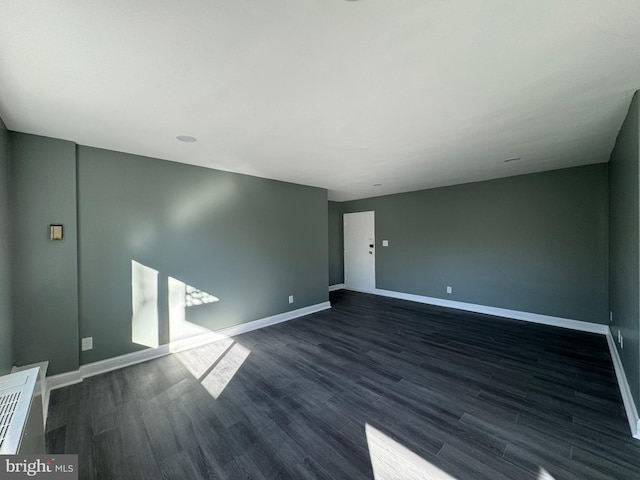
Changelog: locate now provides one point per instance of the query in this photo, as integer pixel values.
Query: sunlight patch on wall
(392, 461)
(194, 297)
(144, 303)
(215, 363)
(182, 296)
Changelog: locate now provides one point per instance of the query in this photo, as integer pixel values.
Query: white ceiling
(341, 95)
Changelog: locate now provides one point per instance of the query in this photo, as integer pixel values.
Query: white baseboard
(282, 317)
(498, 312)
(63, 379)
(337, 286)
(625, 391)
(115, 363)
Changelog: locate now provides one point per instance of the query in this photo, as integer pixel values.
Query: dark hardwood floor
(408, 390)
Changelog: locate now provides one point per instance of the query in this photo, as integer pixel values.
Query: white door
(359, 251)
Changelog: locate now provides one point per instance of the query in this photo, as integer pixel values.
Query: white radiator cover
(16, 391)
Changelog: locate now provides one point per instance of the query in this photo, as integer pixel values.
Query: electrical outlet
(610, 316)
(385, 243)
(87, 343)
(621, 341)
(619, 337)
(290, 298)
(449, 290)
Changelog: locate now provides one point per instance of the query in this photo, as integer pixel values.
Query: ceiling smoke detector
(186, 138)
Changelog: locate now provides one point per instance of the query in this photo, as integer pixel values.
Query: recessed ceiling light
(186, 138)
(514, 159)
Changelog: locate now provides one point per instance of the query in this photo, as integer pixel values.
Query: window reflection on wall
(182, 296)
(144, 303)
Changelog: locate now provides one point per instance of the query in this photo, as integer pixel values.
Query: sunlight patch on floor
(226, 368)
(200, 359)
(215, 364)
(544, 475)
(393, 461)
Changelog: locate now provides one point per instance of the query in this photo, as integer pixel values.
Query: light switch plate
(385, 243)
(56, 233)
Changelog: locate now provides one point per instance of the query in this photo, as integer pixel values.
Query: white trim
(498, 312)
(115, 363)
(625, 391)
(265, 322)
(375, 291)
(103, 366)
(63, 380)
(337, 286)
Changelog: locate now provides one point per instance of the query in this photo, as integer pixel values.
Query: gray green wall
(624, 263)
(6, 315)
(249, 241)
(42, 173)
(336, 249)
(535, 243)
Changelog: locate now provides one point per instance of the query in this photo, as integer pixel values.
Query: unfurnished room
(337, 239)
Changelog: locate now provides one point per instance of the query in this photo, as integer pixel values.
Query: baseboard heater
(21, 422)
